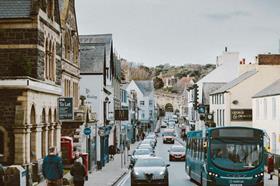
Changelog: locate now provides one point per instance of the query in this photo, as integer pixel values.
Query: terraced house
(38, 63)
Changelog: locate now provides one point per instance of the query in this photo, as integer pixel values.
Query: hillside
(183, 74)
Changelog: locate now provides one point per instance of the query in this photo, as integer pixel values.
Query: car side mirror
(167, 165)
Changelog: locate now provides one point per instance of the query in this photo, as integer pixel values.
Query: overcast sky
(183, 31)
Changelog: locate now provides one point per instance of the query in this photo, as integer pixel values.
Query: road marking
(122, 181)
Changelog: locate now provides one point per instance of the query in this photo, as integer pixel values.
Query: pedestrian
(142, 136)
(270, 166)
(53, 168)
(78, 172)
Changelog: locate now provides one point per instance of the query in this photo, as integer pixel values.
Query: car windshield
(236, 154)
(141, 152)
(168, 134)
(178, 149)
(149, 163)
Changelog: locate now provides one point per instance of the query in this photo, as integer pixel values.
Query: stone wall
(21, 62)
(269, 59)
(8, 102)
(18, 36)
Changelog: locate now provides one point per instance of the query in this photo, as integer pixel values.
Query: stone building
(30, 81)
(70, 51)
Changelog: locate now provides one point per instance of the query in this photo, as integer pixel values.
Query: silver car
(149, 171)
(139, 153)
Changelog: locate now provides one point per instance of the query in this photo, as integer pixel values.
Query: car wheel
(133, 182)
(170, 158)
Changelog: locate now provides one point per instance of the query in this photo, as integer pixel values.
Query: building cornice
(29, 84)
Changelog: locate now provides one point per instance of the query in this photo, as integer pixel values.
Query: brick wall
(8, 102)
(269, 59)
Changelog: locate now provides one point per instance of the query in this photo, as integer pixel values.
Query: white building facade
(145, 100)
(266, 114)
(232, 103)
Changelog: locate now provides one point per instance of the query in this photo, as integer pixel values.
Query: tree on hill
(158, 83)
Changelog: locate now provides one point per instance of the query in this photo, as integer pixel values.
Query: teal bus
(231, 156)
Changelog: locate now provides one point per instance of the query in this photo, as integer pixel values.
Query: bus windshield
(236, 154)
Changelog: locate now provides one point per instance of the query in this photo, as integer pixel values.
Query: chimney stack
(243, 61)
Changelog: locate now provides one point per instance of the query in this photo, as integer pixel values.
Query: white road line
(122, 181)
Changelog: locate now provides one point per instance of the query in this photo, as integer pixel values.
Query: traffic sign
(87, 131)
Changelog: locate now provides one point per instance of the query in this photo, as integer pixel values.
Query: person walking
(53, 168)
(270, 166)
(78, 172)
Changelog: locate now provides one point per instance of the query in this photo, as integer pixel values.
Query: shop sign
(241, 114)
(65, 108)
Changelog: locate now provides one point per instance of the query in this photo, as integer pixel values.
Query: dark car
(177, 152)
(149, 171)
(168, 136)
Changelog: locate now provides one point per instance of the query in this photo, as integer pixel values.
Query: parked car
(148, 141)
(177, 152)
(146, 146)
(152, 138)
(151, 170)
(163, 124)
(168, 136)
(139, 153)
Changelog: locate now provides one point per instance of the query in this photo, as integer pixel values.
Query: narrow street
(177, 175)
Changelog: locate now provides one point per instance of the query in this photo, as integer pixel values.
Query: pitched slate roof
(235, 82)
(146, 87)
(208, 88)
(15, 9)
(92, 58)
(271, 90)
(100, 38)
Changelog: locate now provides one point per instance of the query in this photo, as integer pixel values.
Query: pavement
(112, 172)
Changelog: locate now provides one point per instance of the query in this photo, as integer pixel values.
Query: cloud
(226, 16)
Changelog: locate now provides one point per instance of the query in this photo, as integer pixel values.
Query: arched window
(43, 120)
(46, 59)
(67, 43)
(75, 51)
(53, 63)
(50, 116)
(54, 116)
(33, 134)
(49, 61)
(50, 10)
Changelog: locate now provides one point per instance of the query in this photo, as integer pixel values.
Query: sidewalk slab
(112, 171)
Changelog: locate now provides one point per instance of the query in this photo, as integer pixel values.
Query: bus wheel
(190, 171)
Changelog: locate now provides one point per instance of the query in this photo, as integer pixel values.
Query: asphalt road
(177, 175)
